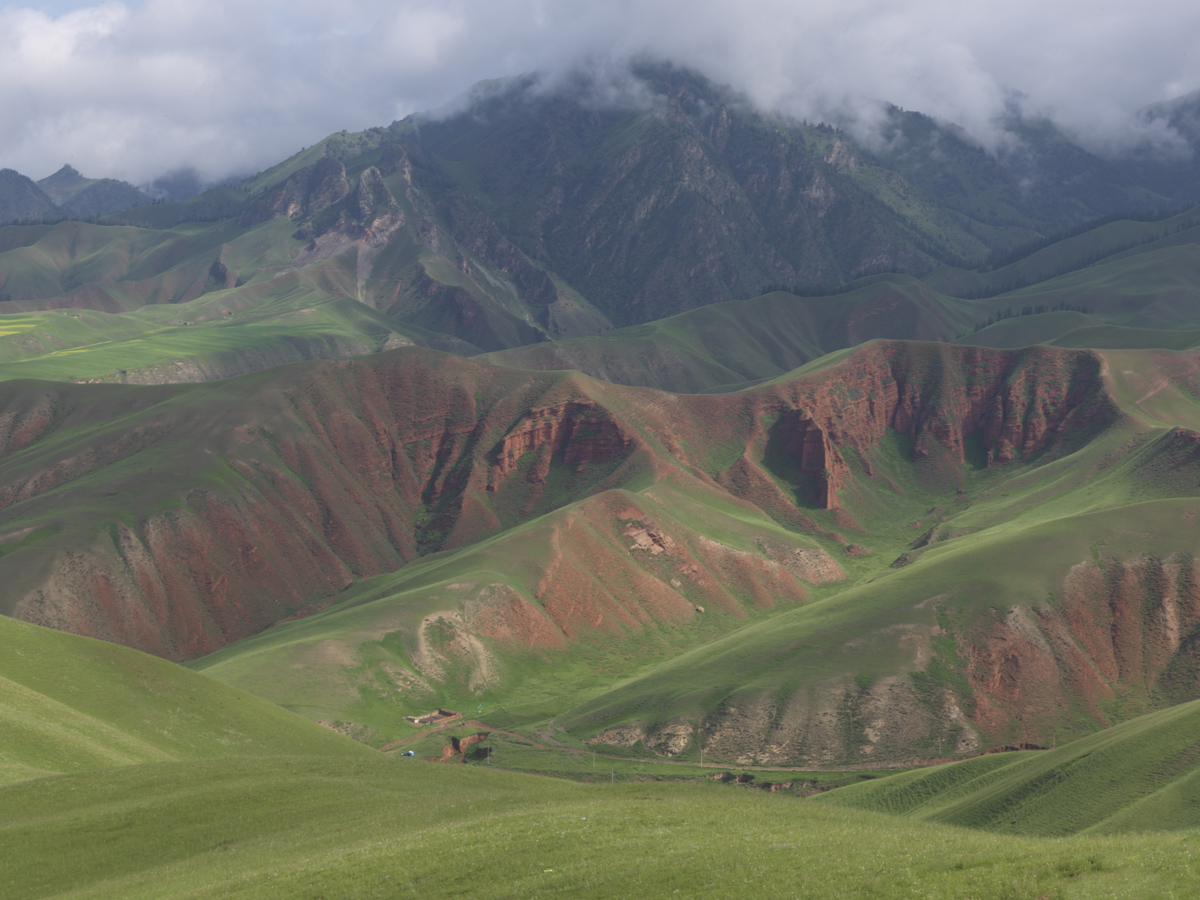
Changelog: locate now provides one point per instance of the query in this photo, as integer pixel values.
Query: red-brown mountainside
(1123, 629)
(178, 519)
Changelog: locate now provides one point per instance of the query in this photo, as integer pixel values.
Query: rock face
(579, 430)
(305, 193)
(1121, 627)
(1014, 403)
(201, 516)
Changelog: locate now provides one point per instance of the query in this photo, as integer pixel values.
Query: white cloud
(133, 90)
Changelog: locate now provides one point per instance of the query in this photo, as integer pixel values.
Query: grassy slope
(70, 704)
(144, 305)
(1111, 241)
(1139, 298)
(1114, 337)
(734, 344)
(161, 303)
(1023, 331)
(1141, 775)
(149, 283)
(364, 829)
(284, 321)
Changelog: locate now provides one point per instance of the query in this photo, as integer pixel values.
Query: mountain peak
(64, 184)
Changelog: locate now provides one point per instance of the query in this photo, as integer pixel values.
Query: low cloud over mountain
(134, 91)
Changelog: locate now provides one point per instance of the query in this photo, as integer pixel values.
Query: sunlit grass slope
(286, 828)
(1142, 775)
(217, 335)
(69, 704)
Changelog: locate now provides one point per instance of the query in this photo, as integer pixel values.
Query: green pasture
(219, 334)
(1139, 776)
(288, 827)
(71, 704)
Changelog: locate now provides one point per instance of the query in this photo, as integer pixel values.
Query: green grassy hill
(288, 827)
(218, 335)
(1138, 776)
(735, 344)
(72, 704)
(1138, 298)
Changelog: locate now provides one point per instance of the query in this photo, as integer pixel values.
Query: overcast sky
(133, 90)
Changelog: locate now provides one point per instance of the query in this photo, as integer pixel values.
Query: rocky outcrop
(579, 430)
(305, 193)
(336, 215)
(1122, 630)
(456, 750)
(815, 455)
(1017, 404)
(378, 213)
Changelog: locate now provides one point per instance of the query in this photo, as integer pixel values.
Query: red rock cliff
(1018, 403)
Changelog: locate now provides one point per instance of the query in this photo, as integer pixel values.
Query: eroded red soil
(284, 488)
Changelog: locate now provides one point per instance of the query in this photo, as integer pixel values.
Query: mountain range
(664, 430)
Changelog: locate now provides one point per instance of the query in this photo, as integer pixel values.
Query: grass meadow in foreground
(317, 828)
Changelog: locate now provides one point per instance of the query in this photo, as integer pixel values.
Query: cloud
(136, 90)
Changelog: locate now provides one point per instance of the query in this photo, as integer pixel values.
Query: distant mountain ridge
(533, 213)
(21, 198)
(691, 197)
(80, 196)
(65, 194)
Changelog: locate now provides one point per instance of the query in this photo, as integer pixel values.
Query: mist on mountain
(134, 92)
